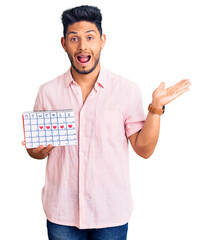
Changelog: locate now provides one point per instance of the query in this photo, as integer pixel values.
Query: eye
(74, 39)
(90, 38)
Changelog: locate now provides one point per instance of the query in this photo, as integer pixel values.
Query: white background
(147, 42)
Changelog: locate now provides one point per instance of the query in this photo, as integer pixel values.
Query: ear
(63, 43)
(103, 40)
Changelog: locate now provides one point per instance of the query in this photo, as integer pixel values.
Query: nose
(83, 45)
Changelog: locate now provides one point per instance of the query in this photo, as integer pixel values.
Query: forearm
(148, 136)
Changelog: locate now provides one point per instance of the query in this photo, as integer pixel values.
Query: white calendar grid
(49, 127)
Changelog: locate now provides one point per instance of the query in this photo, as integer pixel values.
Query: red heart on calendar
(47, 127)
(62, 126)
(69, 126)
(41, 127)
(54, 127)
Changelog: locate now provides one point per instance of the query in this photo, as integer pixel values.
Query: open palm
(162, 96)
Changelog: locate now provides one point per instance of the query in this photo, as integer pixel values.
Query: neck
(86, 80)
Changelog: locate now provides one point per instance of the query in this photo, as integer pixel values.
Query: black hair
(81, 13)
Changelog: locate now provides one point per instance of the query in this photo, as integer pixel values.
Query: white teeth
(83, 55)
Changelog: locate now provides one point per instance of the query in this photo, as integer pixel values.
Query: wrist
(156, 109)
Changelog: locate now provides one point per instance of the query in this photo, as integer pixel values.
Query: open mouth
(83, 59)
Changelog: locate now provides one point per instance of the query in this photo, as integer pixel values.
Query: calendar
(49, 127)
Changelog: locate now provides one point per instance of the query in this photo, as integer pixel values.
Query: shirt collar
(101, 78)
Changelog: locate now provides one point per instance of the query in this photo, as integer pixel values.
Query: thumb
(162, 85)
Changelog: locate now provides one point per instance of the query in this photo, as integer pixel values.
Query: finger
(38, 149)
(181, 85)
(47, 149)
(177, 94)
(181, 91)
(182, 82)
(162, 85)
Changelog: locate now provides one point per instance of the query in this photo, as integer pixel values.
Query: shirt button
(82, 154)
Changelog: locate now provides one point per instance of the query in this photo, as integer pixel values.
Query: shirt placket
(82, 160)
(82, 156)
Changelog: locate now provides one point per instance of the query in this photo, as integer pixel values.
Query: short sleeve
(134, 116)
(39, 103)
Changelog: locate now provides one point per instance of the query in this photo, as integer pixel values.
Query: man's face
(83, 45)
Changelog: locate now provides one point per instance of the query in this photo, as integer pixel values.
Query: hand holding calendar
(40, 152)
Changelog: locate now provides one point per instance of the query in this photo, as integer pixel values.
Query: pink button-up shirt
(87, 185)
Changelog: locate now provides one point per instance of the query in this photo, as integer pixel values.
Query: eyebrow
(72, 32)
(90, 31)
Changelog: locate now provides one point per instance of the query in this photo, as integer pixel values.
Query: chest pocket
(109, 124)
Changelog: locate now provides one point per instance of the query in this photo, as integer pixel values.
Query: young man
(87, 191)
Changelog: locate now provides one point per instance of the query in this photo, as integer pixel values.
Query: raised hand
(162, 96)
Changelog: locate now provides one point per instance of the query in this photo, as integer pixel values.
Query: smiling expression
(83, 45)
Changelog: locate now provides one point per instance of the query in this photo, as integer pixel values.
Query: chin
(85, 69)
